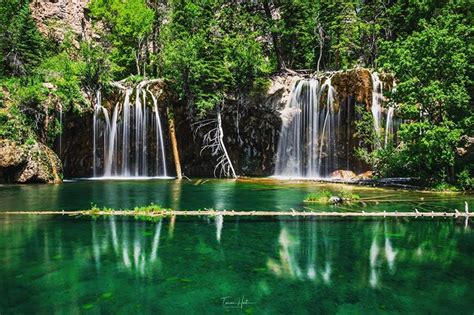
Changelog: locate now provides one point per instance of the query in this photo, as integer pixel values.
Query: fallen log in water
(160, 213)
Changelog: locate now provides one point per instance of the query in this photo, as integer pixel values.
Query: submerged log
(292, 213)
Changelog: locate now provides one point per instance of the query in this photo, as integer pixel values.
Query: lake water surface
(60, 264)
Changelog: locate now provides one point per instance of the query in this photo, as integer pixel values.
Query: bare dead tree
(214, 141)
(320, 35)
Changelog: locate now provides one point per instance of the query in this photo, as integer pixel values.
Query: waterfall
(159, 136)
(377, 98)
(128, 137)
(389, 125)
(307, 144)
(62, 130)
(377, 110)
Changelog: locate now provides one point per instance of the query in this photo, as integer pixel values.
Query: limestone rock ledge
(32, 163)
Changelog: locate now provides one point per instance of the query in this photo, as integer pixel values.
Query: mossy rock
(29, 163)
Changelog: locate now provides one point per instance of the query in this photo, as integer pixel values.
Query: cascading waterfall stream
(159, 136)
(389, 129)
(62, 130)
(315, 132)
(129, 136)
(307, 144)
(377, 98)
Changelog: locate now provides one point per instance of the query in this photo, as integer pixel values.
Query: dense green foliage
(212, 50)
(21, 44)
(434, 66)
(127, 24)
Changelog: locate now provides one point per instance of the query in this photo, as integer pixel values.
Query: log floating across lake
(161, 213)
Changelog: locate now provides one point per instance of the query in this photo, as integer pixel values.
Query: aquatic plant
(321, 196)
(95, 210)
(150, 208)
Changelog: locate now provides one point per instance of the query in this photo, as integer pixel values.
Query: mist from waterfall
(307, 144)
(130, 142)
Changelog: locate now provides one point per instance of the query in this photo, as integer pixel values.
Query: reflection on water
(134, 245)
(70, 265)
(307, 253)
(219, 219)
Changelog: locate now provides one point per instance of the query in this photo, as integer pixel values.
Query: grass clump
(348, 196)
(321, 196)
(96, 210)
(149, 209)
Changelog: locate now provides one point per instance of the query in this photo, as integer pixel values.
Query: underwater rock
(335, 199)
(34, 163)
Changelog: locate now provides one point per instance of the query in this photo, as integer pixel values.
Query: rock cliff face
(251, 126)
(34, 163)
(55, 17)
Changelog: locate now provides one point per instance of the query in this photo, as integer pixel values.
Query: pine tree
(21, 43)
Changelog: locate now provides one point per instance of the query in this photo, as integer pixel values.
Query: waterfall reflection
(304, 253)
(219, 224)
(376, 258)
(315, 250)
(129, 242)
(306, 250)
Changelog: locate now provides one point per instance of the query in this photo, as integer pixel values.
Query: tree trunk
(174, 144)
(320, 35)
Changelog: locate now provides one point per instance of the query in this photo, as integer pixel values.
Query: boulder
(365, 175)
(11, 154)
(342, 174)
(49, 86)
(335, 200)
(33, 163)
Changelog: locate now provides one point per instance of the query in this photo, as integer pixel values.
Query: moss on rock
(29, 163)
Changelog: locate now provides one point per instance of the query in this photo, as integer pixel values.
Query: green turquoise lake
(70, 265)
(243, 194)
(80, 265)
